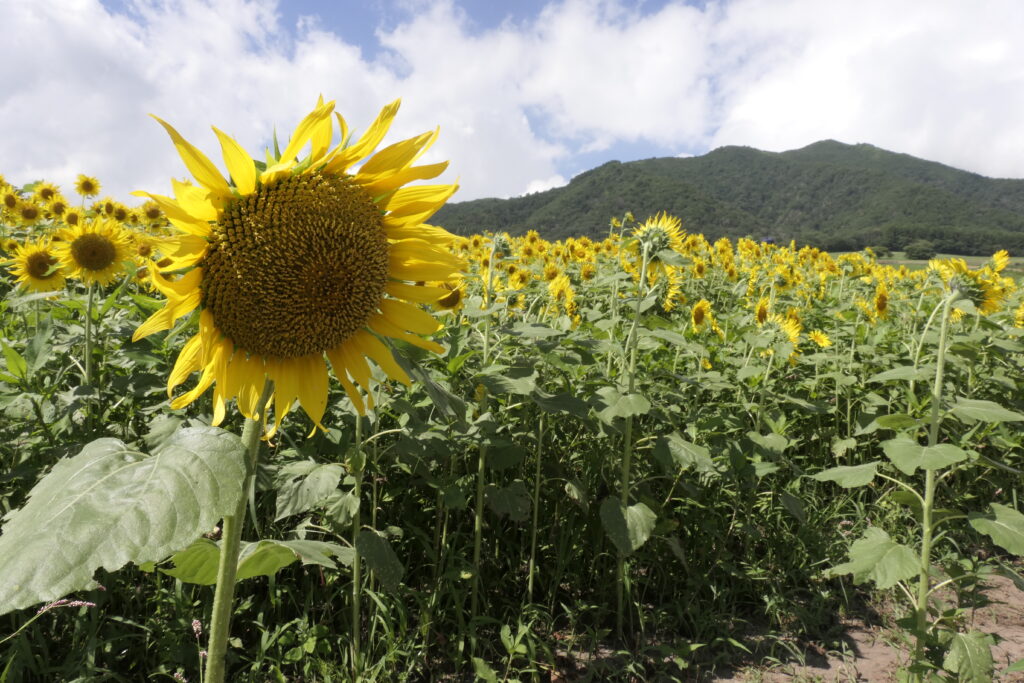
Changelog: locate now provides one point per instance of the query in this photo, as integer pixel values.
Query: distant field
(897, 258)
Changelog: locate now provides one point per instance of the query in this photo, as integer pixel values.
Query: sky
(527, 93)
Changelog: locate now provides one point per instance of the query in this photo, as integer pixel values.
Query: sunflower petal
(400, 154)
(342, 158)
(420, 294)
(239, 163)
(305, 130)
(382, 326)
(409, 317)
(186, 363)
(178, 217)
(382, 183)
(201, 168)
(195, 201)
(375, 349)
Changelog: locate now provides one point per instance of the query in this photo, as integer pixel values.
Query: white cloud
(542, 184)
(943, 80)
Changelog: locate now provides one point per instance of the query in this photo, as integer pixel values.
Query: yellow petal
(321, 140)
(382, 183)
(382, 326)
(409, 317)
(418, 198)
(239, 163)
(186, 363)
(422, 231)
(201, 168)
(341, 159)
(338, 363)
(375, 349)
(205, 380)
(420, 294)
(304, 131)
(178, 217)
(195, 201)
(400, 154)
(312, 378)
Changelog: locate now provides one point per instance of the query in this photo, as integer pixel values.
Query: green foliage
(920, 250)
(110, 505)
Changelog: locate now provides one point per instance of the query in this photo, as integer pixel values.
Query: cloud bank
(518, 102)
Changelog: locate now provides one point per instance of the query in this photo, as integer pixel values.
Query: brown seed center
(296, 267)
(93, 251)
(40, 265)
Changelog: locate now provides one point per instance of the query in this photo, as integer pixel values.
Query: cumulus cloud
(516, 102)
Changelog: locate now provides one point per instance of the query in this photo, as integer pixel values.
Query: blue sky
(527, 94)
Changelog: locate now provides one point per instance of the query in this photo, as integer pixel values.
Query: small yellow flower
(820, 338)
(87, 186)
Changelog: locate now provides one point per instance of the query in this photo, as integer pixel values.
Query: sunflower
(94, 251)
(819, 338)
(45, 191)
(87, 186)
(657, 234)
(37, 268)
(301, 261)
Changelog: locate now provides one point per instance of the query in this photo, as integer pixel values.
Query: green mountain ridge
(830, 194)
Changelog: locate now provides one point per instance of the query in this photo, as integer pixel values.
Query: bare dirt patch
(873, 654)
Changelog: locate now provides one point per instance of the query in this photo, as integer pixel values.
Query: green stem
(478, 519)
(227, 568)
(627, 442)
(536, 512)
(927, 530)
(88, 334)
(357, 525)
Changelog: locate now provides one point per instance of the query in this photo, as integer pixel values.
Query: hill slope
(829, 194)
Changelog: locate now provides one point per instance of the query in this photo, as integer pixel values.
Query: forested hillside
(829, 194)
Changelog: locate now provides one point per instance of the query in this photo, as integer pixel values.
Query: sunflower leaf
(110, 505)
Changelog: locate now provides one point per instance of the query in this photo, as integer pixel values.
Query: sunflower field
(279, 427)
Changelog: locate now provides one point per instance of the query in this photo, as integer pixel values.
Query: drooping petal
(416, 293)
(409, 317)
(341, 371)
(178, 217)
(186, 363)
(375, 349)
(381, 325)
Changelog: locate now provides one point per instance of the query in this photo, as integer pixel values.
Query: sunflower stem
(536, 512)
(357, 574)
(627, 440)
(481, 474)
(227, 568)
(88, 349)
(927, 527)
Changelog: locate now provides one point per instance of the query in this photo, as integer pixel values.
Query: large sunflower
(300, 261)
(94, 251)
(37, 268)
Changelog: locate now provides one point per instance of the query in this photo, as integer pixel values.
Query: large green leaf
(876, 557)
(628, 527)
(617, 404)
(513, 500)
(110, 505)
(380, 558)
(986, 411)
(1004, 525)
(198, 563)
(849, 476)
(970, 657)
(304, 485)
(907, 454)
(678, 451)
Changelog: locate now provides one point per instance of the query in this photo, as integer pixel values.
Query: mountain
(828, 194)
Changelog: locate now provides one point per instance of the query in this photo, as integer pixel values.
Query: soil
(873, 654)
